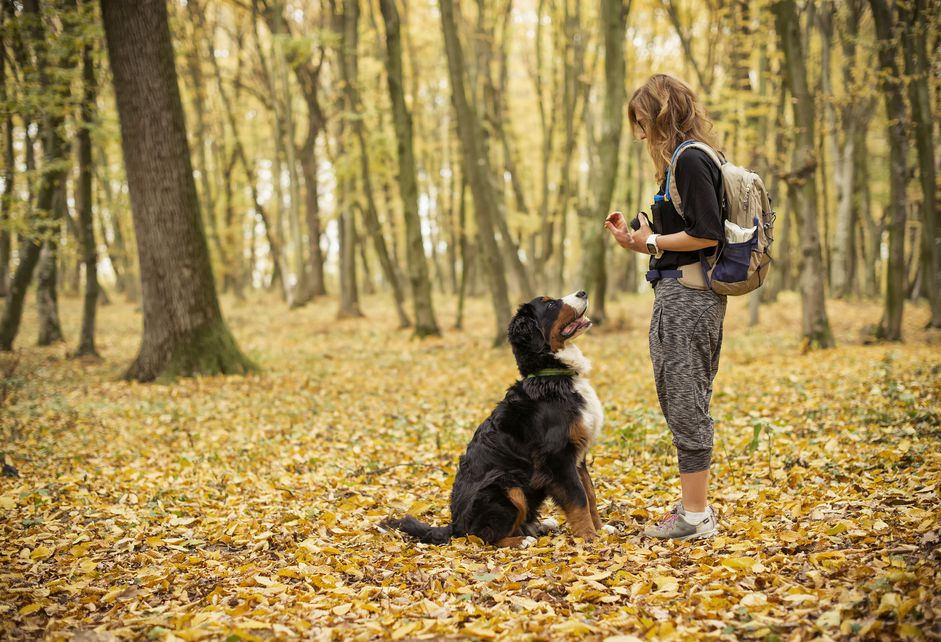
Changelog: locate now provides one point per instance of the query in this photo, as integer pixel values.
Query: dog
(533, 445)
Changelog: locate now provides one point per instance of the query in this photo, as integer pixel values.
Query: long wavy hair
(671, 114)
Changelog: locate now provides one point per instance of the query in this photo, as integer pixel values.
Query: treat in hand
(635, 223)
(614, 218)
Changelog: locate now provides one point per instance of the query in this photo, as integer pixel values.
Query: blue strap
(666, 192)
(656, 275)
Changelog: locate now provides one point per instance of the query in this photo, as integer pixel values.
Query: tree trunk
(890, 327)
(6, 199)
(274, 246)
(184, 332)
(300, 293)
(479, 173)
(47, 298)
(815, 325)
(425, 322)
(602, 178)
(86, 345)
(349, 25)
(915, 45)
(55, 157)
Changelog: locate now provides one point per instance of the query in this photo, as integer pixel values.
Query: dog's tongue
(573, 326)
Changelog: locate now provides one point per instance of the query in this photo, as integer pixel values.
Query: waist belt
(656, 275)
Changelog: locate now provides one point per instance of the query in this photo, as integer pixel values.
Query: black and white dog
(533, 445)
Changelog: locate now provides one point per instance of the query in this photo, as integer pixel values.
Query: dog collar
(553, 372)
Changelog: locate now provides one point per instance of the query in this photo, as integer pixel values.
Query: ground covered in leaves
(248, 507)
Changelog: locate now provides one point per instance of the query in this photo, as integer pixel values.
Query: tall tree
(479, 172)
(605, 170)
(349, 73)
(184, 332)
(55, 86)
(801, 178)
(425, 323)
(884, 19)
(917, 21)
(86, 345)
(47, 275)
(6, 199)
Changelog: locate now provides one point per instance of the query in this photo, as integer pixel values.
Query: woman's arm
(637, 241)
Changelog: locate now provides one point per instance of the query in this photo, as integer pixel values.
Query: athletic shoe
(673, 525)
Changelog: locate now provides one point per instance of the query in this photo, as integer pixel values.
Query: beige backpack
(741, 263)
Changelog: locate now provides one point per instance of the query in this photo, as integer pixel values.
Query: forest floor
(245, 508)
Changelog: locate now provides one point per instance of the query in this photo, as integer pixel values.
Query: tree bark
(184, 332)
(890, 327)
(6, 199)
(86, 345)
(915, 46)
(815, 324)
(425, 322)
(603, 174)
(349, 26)
(55, 157)
(47, 298)
(479, 172)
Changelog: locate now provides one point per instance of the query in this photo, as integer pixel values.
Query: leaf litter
(247, 508)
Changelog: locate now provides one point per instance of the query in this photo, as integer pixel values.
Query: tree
(6, 199)
(184, 332)
(55, 160)
(425, 323)
(86, 345)
(890, 327)
(801, 179)
(349, 72)
(605, 170)
(479, 173)
(917, 65)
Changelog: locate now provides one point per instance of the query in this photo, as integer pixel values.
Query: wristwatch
(652, 246)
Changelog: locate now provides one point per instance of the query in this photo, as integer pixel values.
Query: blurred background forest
(433, 152)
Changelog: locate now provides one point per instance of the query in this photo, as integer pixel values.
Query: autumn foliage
(246, 508)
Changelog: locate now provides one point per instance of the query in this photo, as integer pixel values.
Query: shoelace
(668, 518)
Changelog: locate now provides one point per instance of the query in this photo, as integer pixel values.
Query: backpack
(735, 268)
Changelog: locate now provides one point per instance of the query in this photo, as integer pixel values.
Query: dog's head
(540, 330)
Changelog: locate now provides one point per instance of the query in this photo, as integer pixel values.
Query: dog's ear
(524, 330)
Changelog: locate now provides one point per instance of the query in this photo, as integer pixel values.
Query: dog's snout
(581, 294)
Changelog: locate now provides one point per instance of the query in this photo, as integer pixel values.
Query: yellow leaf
(404, 629)
(7, 502)
(343, 609)
(739, 563)
(754, 599)
(666, 583)
(40, 553)
(30, 608)
(573, 627)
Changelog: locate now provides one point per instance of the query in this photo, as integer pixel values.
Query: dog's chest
(592, 415)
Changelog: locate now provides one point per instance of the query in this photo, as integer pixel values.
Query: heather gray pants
(685, 340)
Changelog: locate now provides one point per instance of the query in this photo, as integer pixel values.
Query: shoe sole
(703, 535)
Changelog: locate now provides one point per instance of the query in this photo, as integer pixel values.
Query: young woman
(686, 327)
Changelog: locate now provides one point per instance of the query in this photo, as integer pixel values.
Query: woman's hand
(625, 237)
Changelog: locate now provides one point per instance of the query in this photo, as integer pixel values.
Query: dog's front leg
(569, 492)
(590, 492)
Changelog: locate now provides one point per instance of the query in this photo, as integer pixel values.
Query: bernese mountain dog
(533, 445)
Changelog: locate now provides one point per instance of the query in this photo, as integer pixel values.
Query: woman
(686, 327)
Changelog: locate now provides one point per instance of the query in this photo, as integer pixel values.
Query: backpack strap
(671, 193)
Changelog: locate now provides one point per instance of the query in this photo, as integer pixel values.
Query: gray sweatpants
(685, 340)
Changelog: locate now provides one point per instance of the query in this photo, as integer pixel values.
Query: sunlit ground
(248, 506)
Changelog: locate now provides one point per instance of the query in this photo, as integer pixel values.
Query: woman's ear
(524, 330)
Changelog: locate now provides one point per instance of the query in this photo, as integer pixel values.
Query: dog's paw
(550, 524)
(527, 541)
(609, 529)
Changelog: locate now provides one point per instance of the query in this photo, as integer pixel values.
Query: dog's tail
(420, 530)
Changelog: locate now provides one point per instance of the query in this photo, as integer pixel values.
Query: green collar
(553, 372)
